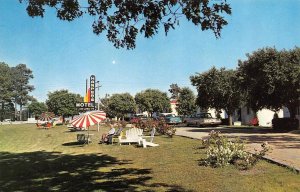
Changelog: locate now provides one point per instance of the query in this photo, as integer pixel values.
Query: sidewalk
(285, 146)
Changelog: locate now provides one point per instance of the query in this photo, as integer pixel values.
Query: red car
(136, 118)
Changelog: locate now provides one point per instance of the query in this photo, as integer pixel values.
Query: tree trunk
(21, 112)
(229, 119)
(16, 111)
(292, 110)
(2, 112)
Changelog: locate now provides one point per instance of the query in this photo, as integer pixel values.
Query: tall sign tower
(89, 98)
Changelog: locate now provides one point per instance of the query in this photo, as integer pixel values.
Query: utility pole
(98, 108)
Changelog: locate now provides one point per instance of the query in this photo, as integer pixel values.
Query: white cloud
(113, 62)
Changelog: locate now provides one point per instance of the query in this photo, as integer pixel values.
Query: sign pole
(98, 86)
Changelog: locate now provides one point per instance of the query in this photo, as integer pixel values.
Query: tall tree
(37, 108)
(124, 19)
(62, 103)
(21, 88)
(290, 87)
(186, 102)
(121, 104)
(104, 106)
(153, 100)
(218, 89)
(271, 79)
(5, 87)
(174, 90)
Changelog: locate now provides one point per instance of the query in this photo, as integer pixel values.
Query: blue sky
(63, 54)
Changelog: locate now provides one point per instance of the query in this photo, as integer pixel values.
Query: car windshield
(205, 115)
(138, 115)
(170, 115)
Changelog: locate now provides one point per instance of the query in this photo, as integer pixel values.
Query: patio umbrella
(46, 116)
(88, 119)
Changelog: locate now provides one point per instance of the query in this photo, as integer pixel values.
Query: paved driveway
(285, 146)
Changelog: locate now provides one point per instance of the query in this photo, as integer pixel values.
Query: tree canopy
(63, 103)
(218, 89)
(123, 20)
(271, 79)
(174, 90)
(121, 104)
(14, 87)
(104, 106)
(186, 102)
(21, 75)
(37, 108)
(153, 100)
(5, 82)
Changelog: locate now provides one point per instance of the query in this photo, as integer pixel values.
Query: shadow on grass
(53, 171)
(280, 141)
(75, 143)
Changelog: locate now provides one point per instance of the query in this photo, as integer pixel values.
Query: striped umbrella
(47, 116)
(88, 119)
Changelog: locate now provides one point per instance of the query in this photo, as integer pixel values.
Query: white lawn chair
(132, 136)
(150, 143)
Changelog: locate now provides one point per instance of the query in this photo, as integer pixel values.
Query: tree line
(150, 100)
(14, 89)
(62, 103)
(268, 78)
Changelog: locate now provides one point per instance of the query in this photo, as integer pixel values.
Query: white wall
(173, 109)
(264, 116)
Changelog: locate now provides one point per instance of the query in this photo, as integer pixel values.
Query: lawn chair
(132, 136)
(48, 125)
(39, 125)
(150, 143)
(84, 138)
(113, 138)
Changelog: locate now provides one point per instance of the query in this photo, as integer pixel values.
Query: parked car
(202, 119)
(170, 118)
(137, 117)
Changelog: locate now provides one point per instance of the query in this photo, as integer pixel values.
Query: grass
(50, 160)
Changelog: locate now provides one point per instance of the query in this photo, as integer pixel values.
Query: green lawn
(51, 160)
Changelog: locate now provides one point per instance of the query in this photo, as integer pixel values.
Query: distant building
(244, 115)
(174, 104)
(264, 116)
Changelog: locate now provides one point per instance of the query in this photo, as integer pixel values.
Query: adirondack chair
(113, 138)
(150, 143)
(132, 136)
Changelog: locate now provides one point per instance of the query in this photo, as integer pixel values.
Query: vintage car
(170, 118)
(202, 119)
(137, 117)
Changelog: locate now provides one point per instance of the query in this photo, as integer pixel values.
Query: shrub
(165, 129)
(146, 125)
(221, 152)
(214, 136)
(122, 124)
(285, 124)
(161, 126)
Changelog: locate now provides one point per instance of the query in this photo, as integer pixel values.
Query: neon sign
(89, 98)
